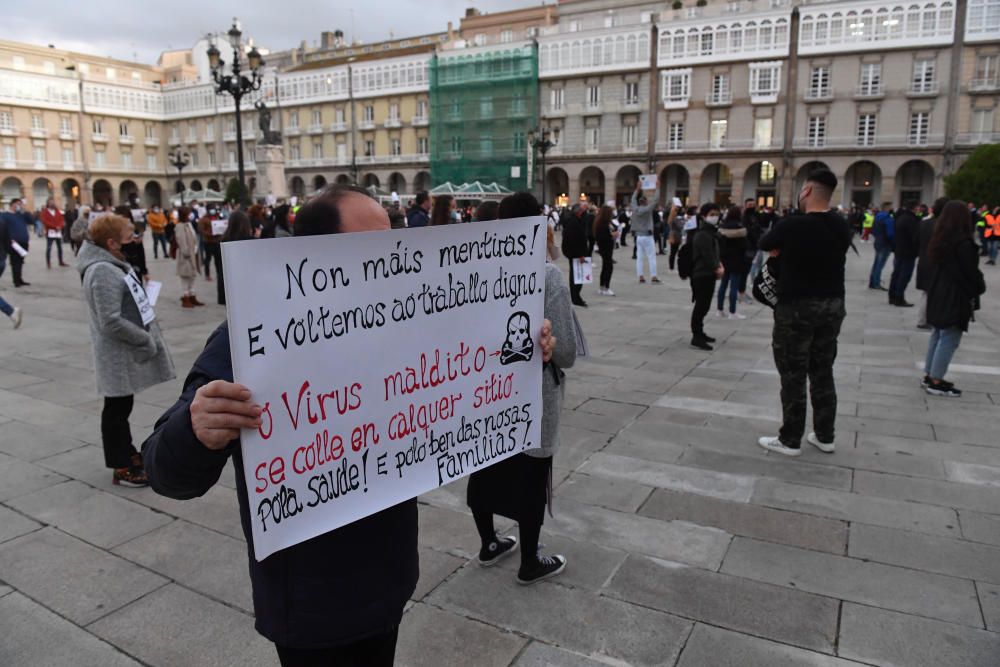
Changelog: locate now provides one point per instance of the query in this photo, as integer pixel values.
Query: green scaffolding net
(483, 105)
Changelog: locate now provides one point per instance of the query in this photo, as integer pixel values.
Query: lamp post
(236, 84)
(354, 124)
(542, 144)
(180, 159)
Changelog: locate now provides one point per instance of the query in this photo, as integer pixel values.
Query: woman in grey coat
(129, 354)
(520, 487)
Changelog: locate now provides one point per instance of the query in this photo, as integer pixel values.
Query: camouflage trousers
(805, 347)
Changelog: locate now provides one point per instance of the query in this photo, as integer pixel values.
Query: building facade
(730, 100)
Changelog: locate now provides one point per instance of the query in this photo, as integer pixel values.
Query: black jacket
(923, 265)
(334, 589)
(704, 251)
(605, 241)
(733, 246)
(813, 253)
(574, 236)
(955, 284)
(907, 238)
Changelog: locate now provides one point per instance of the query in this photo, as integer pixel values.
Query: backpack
(685, 259)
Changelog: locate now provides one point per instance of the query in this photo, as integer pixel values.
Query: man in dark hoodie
(907, 240)
(334, 599)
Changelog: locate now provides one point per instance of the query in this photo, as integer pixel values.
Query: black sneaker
(701, 344)
(496, 550)
(924, 381)
(945, 389)
(709, 339)
(544, 567)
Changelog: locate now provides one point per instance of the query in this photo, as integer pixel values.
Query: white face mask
(712, 219)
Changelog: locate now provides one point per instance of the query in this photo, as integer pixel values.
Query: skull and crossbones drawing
(518, 345)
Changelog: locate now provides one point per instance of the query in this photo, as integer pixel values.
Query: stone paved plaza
(687, 544)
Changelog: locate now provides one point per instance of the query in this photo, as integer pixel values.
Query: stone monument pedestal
(270, 159)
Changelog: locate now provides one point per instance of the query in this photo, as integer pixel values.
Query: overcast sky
(140, 30)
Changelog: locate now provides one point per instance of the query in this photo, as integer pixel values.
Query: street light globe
(254, 59)
(234, 34)
(213, 57)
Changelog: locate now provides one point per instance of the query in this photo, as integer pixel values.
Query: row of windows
(557, 97)
(724, 40)
(922, 81)
(764, 85)
(983, 19)
(39, 155)
(888, 23)
(367, 148)
(595, 53)
(866, 130)
(484, 145)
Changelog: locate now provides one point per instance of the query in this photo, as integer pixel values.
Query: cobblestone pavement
(687, 544)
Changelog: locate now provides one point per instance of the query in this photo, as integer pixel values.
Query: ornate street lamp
(180, 159)
(236, 83)
(540, 141)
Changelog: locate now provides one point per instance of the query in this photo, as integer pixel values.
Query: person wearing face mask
(17, 223)
(706, 268)
(157, 222)
(129, 352)
(812, 250)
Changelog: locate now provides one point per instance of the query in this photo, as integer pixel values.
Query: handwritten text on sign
(387, 363)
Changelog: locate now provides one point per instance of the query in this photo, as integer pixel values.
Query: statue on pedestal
(264, 122)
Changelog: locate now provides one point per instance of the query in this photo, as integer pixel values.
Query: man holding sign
(338, 427)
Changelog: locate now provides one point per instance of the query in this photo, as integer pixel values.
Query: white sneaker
(600, 291)
(608, 292)
(719, 313)
(826, 447)
(16, 317)
(775, 445)
(737, 316)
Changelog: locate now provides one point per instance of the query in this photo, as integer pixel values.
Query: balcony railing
(316, 129)
(99, 137)
(366, 125)
(191, 139)
(725, 145)
(338, 126)
(175, 140)
(152, 142)
(984, 85)
(392, 159)
(392, 122)
(8, 131)
(878, 141)
(419, 121)
(868, 92)
(718, 99)
(67, 135)
(230, 135)
(977, 138)
(126, 139)
(676, 102)
(923, 89)
(38, 132)
(550, 112)
(290, 131)
(818, 95)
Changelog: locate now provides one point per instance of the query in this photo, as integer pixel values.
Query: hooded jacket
(128, 356)
(334, 589)
(955, 283)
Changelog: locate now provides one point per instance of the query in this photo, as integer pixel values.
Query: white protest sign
(219, 227)
(648, 181)
(387, 364)
(583, 271)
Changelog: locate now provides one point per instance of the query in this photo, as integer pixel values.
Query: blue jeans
(940, 349)
(902, 272)
(881, 257)
(160, 240)
(991, 248)
(732, 280)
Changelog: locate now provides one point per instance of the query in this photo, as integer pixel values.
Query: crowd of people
(724, 252)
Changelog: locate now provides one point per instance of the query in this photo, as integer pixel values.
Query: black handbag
(765, 285)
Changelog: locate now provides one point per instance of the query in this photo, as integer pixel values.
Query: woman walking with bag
(129, 352)
(956, 283)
